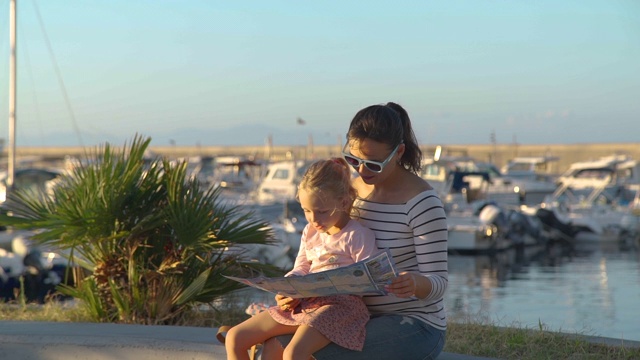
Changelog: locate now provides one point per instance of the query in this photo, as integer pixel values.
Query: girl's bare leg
(306, 340)
(252, 331)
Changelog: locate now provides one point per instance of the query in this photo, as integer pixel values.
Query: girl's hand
(403, 286)
(286, 303)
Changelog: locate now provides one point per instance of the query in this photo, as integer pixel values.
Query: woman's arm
(427, 220)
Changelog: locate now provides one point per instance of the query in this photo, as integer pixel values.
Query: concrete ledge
(90, 341)
(22, 340)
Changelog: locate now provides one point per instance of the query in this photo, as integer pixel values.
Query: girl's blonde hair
(330, 179)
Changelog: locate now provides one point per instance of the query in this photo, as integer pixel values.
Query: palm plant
(152, 243)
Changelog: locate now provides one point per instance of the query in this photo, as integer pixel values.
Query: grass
(516, 342)
(464, 336)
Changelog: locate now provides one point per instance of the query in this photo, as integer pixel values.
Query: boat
(38, 181)
(237, 177)
(460, 179)
(485, 227)
(531, 167)
(596, 201)
(287, 221)
(614, 169)
(534, 176)
(606, 213)
(459, 173)
(531, 189)
(280, 184)
(25, 268)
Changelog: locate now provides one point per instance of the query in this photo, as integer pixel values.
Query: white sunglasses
(374, 166)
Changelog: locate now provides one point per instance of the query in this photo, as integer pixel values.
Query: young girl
(330, 240)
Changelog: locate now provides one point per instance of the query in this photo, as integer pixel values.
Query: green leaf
(194, 288)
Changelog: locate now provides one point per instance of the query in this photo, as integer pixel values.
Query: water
(592, 290)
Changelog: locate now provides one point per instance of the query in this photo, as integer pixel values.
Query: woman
(408, 218)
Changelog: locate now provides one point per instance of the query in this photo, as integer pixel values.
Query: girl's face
(379, 153)
(326, 215)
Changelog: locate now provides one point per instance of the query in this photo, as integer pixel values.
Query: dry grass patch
(516, 342)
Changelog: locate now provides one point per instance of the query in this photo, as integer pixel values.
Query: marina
(530, 277)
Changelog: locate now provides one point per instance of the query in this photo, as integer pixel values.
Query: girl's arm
(362, 244)
(302, 265)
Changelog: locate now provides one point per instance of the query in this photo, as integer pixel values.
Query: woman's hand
(286, 303)
(403, 286)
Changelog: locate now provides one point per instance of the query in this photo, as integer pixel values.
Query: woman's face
(360, 151)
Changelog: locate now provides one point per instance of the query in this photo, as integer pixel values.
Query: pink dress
(341, 318)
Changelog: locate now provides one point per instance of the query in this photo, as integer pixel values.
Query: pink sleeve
(362, 244)
(302, 265)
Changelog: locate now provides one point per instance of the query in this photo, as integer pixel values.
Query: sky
(193, 72)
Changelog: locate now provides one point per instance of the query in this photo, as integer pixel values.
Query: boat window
(624, 174)
(281, 174)
(541, 167)
(519, 167)
(593, 174)
(431, 170)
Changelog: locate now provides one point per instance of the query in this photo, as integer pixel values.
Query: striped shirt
(416, 234)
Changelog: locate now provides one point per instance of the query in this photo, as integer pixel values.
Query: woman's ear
(401, 149)
(400, 152)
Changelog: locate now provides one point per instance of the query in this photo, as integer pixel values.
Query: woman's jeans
(389, 337)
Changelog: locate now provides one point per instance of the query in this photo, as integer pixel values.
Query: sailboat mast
(11, 152)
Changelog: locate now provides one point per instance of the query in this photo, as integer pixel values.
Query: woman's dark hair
(388, 124)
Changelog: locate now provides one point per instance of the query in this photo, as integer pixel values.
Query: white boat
(237, 177)
(35, 270)
(469, 234)
(280, 184)
(488, 228)
(615, 169)
(534, 176)
(461, 177)
(608, 213)
(596, 201)
(287, 227)
(38, 181)
(531, 167)
(200, 168)
(476, 180)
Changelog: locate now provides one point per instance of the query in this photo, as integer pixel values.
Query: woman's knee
(293, 352)
(272, 350)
